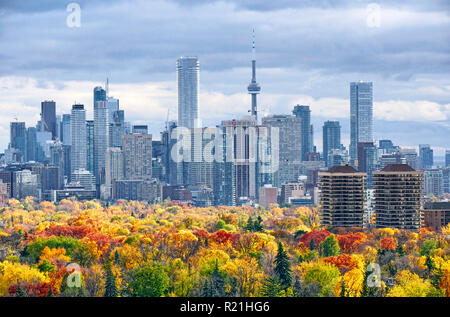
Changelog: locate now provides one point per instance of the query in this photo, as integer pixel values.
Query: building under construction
(342, 197)
(398, 194)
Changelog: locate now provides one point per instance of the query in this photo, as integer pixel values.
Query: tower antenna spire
(254, 88)
(107, 87)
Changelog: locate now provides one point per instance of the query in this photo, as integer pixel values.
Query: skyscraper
(188, 78)
(113, 169)
(447, 158)
(101, 139)
(90, 146)
(78, 133)
(331, 137)
(425, 156)
(367, 160)
(48, 117)
(361, 116)
(254, 88)
(137, 154)
(398, 193)
(18, 139)
(99, 95)
(343, 196)
(290, 144)
(304, 113)
(66, 137)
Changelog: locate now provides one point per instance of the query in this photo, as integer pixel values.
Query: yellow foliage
(13, 273)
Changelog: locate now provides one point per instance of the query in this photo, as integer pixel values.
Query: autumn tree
(149, 281)
(330, 246)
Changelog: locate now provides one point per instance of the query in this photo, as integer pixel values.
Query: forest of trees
(132, 248)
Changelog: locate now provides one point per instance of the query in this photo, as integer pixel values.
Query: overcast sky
(307, 52)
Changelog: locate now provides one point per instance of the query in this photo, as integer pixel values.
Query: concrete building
(137, 154)
(437, 214)
(291, 191)
(398, 195)
(290, 144)
(84, 178)
(101, 139)
(268, 195)
(342, 197)
(434, 182)
(114, 170)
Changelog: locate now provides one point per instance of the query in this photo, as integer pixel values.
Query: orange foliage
(351, 241)
(388, 244)
(317, 235)
(343, 262)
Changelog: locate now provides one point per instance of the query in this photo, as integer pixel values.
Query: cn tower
(254, 89)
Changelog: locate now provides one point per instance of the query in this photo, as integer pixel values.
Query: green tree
(110, 283)
(215, 285)
(271, 287)
(21, 292)
(150, 281)
(330, 246)
(283, 267)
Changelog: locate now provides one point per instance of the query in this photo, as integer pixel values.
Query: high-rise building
(367, 160)
(188, 78)
(117, 129)
(290, 144)
(26, 184)
(447, 158)
(18, 139)
(140, 129)
(114, 170)
(84, 178)
(342, 197)
(137, 154)
(48, 117)
(66, 137)
(331, 138)
(410, 157)
(99, 95)
(398, 194)
(337, 157)
(434, 182)
(304, 113)
(361, 116)
(425, 156)
(31, 144)
(113, 106)
(268, 195)
(101, 139)
(78, 133)
(90, 146)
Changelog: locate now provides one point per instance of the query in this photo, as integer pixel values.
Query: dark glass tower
(304, 113)
(48, 117)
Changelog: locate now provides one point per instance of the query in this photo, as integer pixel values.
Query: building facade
(361, 116)
(398, 197)
(188, 79)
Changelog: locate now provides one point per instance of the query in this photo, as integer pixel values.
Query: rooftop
(342, 169)
(398, 168)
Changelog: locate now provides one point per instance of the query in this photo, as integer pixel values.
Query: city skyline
(410, 101)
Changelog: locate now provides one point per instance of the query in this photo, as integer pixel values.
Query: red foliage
(33, 290)
(202, 234)
(318, 236)
(388, 244)
(350, 242)
(223, 236)
(343, 262)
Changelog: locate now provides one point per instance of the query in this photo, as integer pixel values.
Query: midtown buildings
(78, 133)
(398, 196)
(331, 139)
(342, 197)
